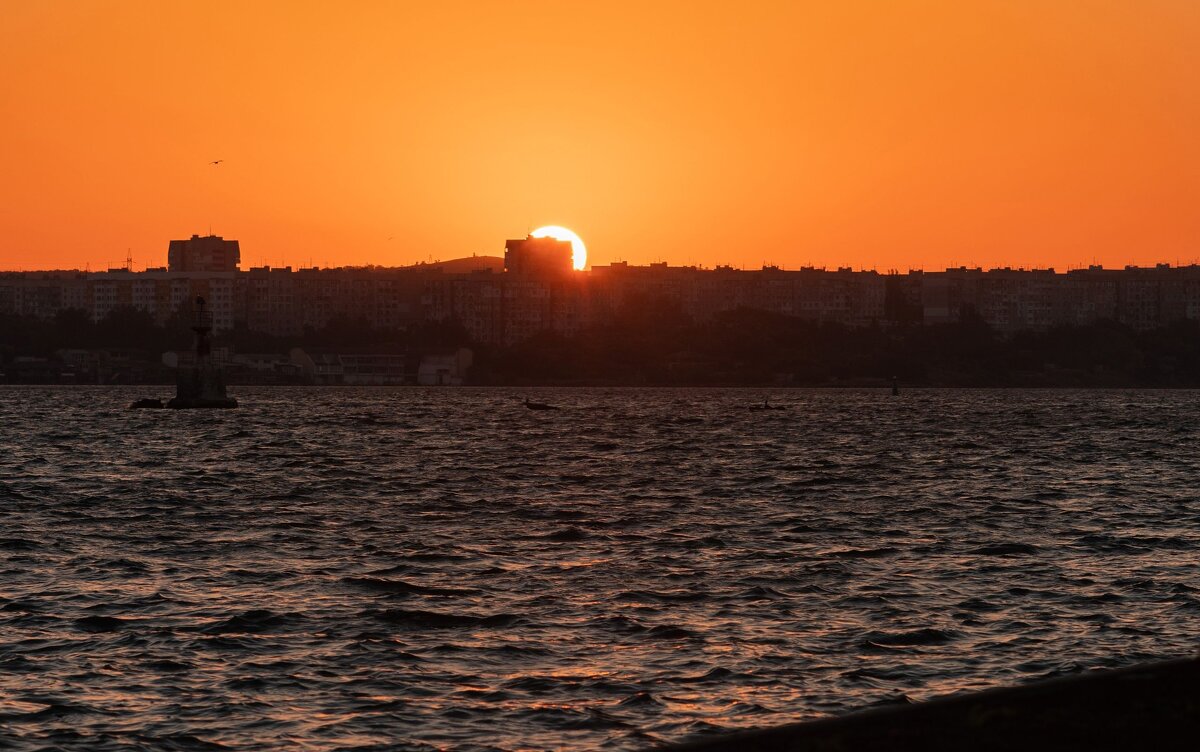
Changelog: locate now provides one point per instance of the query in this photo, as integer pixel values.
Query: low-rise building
(445, 369)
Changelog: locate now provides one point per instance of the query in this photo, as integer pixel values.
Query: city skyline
(881, 135)
(157, 261)
(537, 289)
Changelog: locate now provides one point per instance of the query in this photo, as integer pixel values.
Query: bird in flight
(217, 161)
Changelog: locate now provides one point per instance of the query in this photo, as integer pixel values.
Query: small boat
(538, 405)
(146, 403)
(766, 405)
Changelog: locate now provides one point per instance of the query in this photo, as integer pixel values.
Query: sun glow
(578, 249)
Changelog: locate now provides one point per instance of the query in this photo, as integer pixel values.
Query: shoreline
(651, 387)
(1145, 706)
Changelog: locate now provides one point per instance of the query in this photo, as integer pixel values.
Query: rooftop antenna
(128, 259)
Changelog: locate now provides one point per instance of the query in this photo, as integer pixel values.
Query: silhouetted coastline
(649, 347)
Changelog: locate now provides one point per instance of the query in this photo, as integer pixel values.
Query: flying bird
(217, 161)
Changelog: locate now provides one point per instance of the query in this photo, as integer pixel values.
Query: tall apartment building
(844, 296)
(210, 253)
(163, 294)
(538, 257)
(1011, 300)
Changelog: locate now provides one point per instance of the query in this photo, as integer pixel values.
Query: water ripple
(429, 569)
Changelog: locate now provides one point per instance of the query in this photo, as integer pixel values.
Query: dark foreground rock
(1152, 706)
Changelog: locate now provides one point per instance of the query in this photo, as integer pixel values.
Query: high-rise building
(210, 253)
(538, 257)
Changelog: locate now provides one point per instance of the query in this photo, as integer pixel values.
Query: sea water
(379, 569)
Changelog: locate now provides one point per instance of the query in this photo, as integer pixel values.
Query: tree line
(653, 343)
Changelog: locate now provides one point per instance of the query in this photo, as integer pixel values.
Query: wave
(253, 621)
(1005, 549)
(401, 587)
(915, 638)
(417, 619)
(101, 623)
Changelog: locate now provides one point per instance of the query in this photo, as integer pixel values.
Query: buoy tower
(202, 385)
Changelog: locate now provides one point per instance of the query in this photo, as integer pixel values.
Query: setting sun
(578, 249)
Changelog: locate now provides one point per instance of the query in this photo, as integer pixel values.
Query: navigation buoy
(202, 385)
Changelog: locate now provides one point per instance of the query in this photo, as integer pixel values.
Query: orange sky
(874, 134)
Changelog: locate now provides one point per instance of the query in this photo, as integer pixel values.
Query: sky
(875, 134)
